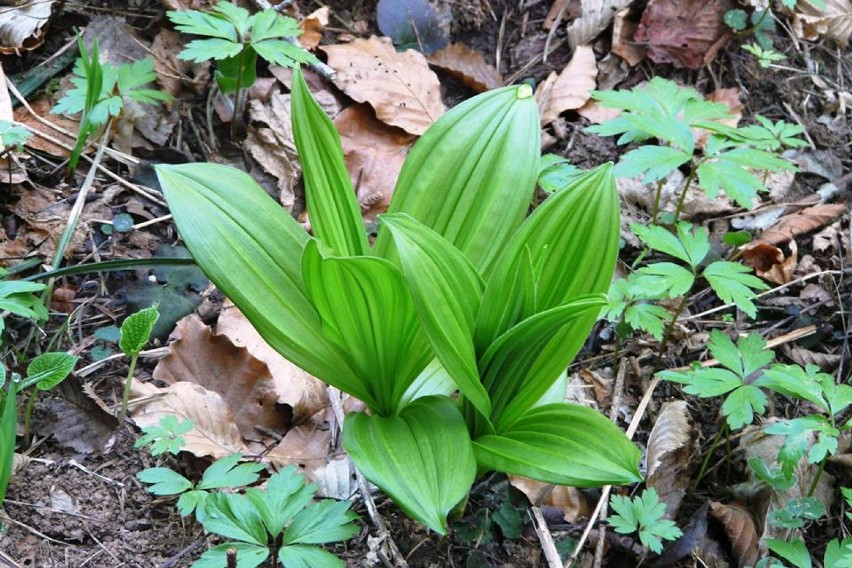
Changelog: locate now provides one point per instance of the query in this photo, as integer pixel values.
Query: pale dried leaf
(596, 113)
(623, 44)
(294, 387)
(173, 74)
(312, 27)
(269, 139)
(400, 87)
(595, 17)
(467, 65)
(827, 362)
(571, 89)
(20, 462)
(23, 27)
(833, 20)
(670, 446)
(307, 445)
(569, 500)
(740, 527)
(325, 94)
(809, 219)
(215, 432)
(212, 361)
(335, 480)
(685, 33)
(374, 154)
(830, 239)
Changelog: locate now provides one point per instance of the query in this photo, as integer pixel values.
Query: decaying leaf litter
(242, 397)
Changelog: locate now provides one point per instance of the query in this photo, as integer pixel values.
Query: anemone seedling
(459, 293)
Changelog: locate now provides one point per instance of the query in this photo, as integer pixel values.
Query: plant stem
(126, 396)
(236, 122)
(815, 482)
(709, 455)
(684, 192)
(657, 199)
(27, 415)
(670, 327)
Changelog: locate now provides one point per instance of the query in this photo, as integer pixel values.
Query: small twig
(552, 31)
(546, 539)
(156, 353)
(28, 528)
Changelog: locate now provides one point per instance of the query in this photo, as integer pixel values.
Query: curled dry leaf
(685, 33)
(400, 87)
(374, 154)
(831, 240)
(829, 18)
(312, 27)
(569, 500)
(740, 527)
(595, 16)
(623, 44)
(569, 90)
(216, 364)
(467, 65)
(770, 263)
(215, 432)
(809, 219)
(670, 447)
(23, 25)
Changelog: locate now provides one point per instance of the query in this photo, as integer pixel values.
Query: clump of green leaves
(281, 520)
(643, 514)
(135, 333)
(165, 436)
(670, 115)
(765, 57)
(236, 39)
(99, 90)
(12, 136)
(18, 298)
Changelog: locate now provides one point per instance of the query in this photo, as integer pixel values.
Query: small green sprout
(645, 515)
(765, 57)
(135, 333)
(165, 436)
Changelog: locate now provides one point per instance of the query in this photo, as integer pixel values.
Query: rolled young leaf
(329, 195)
(471, 176)
(446, 290)
(422, 458)
(252, 250)
(367, 310)
(565, 444)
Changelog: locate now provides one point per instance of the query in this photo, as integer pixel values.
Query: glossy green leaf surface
(333, 208)
(446, 289)
(422, 458)
(136, 330)
(565, 444)
(48, 370)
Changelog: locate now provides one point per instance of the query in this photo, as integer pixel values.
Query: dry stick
(552, 32)
(546, 539)
(640, 413)
(396, 559)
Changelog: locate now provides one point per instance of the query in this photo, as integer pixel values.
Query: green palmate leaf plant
(99, 90)
(19, 298)
(166, 436)
(669, 116)
(643, 514)
(234, 38)
(459, 292)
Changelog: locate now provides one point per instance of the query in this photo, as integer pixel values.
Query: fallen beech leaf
(335, 480)
(173, 74)
(770, 263)
(595, 16)
(215, 363)
(670, 447)
(468, 65)
(23, 27)
(374, 153)
(595, 113)
(294, 387)
(328, 97)
(623, 44)
(215, 432)
(312, 27)
(740, 528)
(400, 87)
(571, 89)
(269, 139)
(77, 420)
(804, 221)
(833, 20)
(830, 240)
(569, 500)
(685, 33)
(827, 362)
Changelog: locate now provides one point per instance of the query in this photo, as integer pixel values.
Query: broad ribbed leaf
(367, 310)
(329, 195)
(422, 458)
(48, 370)
(525, 361)
(136, 330)
(566, 248)
(471, 176)
(251, 249)
(565, 444)
(446, 289)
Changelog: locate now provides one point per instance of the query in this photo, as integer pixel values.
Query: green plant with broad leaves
(459, 292)
(12, 136)
(44, 372)
(99, 90)
(280, 521)
(135, 333)
(234, 39)
(166, 436)
(643, 514)
(729, 161)
(18, 298)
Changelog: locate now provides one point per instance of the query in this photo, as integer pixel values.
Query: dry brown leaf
(740, 527)
(215, 363)
(400, 87)
(730, 98)
(830, 240)
(770, 263)
(173, 74)
(833, 20)
(804, 221)
(827, 362)
(670, 447)
(215, 431)
(569, 500)
(596, 113)
(685, 33)
(335, 480)
(269, 139)
(312, 27)
(569, 90)
(595, 16)
(294, 387)
(41, 106)
(374, 154)
(23, 25)
(467, 65)
(327, 96)
(623, 44)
